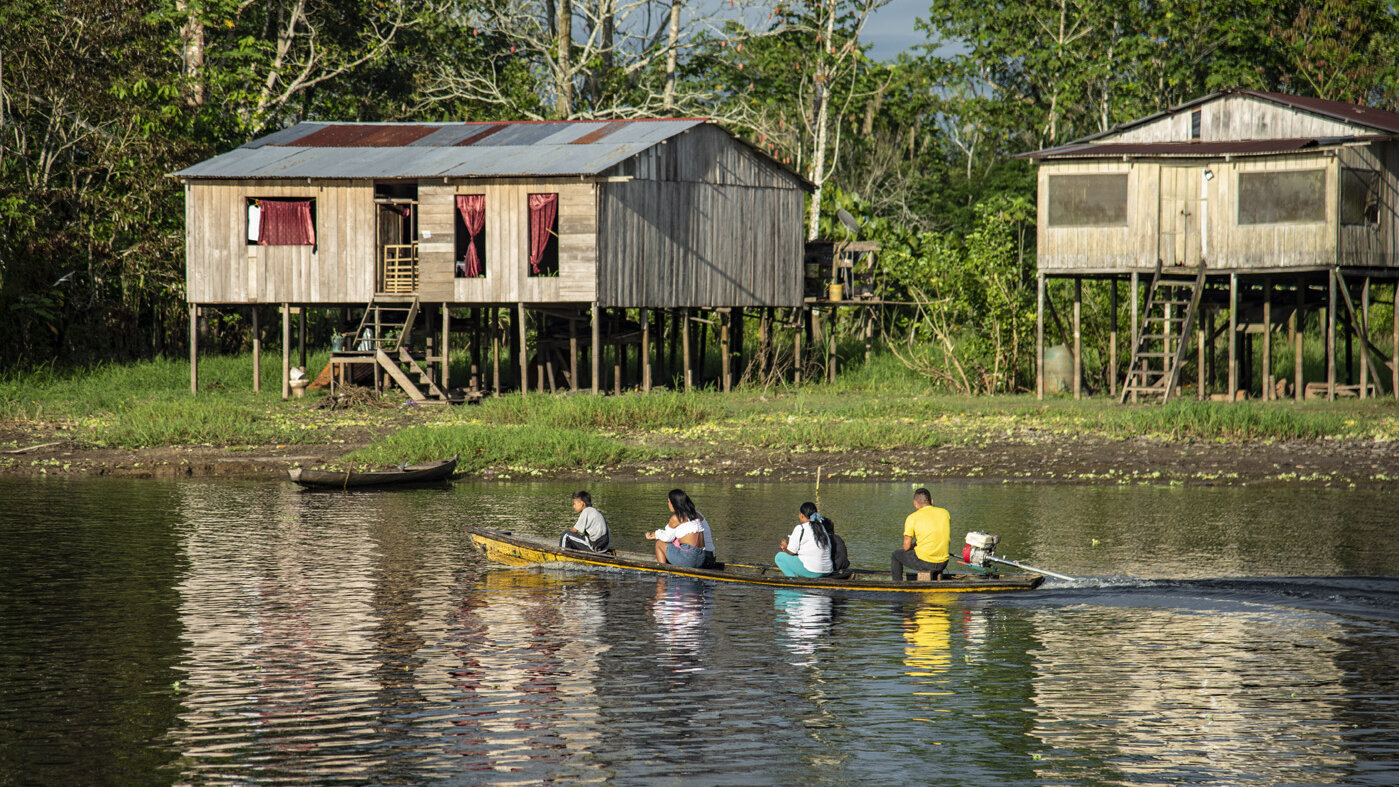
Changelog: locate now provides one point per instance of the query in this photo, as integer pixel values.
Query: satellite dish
(848, 220)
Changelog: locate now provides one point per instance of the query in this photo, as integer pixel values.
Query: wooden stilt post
(736, 318)
(1203, 326)
(194, 348)
(829, 336)
(522, 327)
(1364, 331)
(257, 350)
(286, 351)
(703, 344)
(443, 378)
(1078, 337)
(619, 351)
(765, 344)
(1394, 352)
(688, 370)
(1233, 336)
(800, 314)
(1299, 386)
(494, 328)
(676, 321)
(726, 364)
(1136, 326)
(595, 361)
(1267, 389)
(645, 350)
(573, 355)
(1039, 336)
(301, 341)
(1112, 340)
(1331, 335)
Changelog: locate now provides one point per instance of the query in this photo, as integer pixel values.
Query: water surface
(236, 632)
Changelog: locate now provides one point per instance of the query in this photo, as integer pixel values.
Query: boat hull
(435, 472)
(517, 550)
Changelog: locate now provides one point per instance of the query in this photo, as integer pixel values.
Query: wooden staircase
(384, 338)
(1172, 303)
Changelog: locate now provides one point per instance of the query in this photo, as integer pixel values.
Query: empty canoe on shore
(435, 472)
(514, 549)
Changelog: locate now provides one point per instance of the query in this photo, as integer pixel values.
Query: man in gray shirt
(589, 533)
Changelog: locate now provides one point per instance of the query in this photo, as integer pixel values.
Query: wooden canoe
(515, 549)
(435, 472)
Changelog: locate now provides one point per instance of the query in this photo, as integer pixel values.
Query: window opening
(543, 234)
(1360, 196)
(1088, 200)
(471, 236)
(1195, 124)
(278, 221)
(1286, 197)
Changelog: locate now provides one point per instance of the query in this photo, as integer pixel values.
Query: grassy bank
(873, 408)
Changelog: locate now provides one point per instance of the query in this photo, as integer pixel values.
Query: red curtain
(472, 208)
(286, 222)
(543, 208)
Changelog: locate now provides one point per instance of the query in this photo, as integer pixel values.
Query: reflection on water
(250, 633)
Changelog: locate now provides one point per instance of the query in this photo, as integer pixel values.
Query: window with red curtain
(471, 236)
(543, 234)
(286, 222)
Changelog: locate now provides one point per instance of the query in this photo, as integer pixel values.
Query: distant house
(1256, 206)
(569, 217)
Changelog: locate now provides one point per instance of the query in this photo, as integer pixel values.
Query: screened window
(1288, 197)
(1360, 196)
(1088, 200)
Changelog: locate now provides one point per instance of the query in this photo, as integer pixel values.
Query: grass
(874, 407)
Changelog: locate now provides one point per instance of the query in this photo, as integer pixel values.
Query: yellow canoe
(515, 549)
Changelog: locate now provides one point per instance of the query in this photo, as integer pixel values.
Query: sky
(890, 29)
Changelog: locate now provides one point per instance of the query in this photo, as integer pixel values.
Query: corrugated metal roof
(404, 150)
(1238, 147)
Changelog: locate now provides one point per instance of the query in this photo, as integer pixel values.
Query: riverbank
(874, 424)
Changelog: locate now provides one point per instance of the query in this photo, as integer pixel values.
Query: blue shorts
(686, 555)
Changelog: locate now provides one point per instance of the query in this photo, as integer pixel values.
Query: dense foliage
(101, 99)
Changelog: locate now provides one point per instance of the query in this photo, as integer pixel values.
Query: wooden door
(1179, 242)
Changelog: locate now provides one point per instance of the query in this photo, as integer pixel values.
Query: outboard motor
(980, 546)
(981, 551)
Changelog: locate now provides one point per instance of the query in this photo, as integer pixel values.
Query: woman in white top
(683, 541)
(807, 551)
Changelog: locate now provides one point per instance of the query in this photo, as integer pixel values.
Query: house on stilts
(1229, 218)
(530, 239)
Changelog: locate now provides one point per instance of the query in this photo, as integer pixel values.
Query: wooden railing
(398, 269)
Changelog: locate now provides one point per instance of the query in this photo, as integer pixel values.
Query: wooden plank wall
(700, 221)
(507, 278)
(222, 268)
(1226, 245)
(1370, 245)
(1237, 117)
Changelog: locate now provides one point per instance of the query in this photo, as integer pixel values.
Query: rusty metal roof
(1234, 147)
(416, 150)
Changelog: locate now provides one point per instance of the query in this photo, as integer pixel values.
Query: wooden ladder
(1165, 333)
(385, 331)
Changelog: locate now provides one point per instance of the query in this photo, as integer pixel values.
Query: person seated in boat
(807, 551)
(926, 532)
(590, 532)
(685, 540)
(840, 557)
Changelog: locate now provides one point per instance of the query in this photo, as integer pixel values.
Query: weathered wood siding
(507, 278)
(1177, 215)
(221, 267)
(1374, 245)
(1100, 249)
(1236, 117)
(701, 220)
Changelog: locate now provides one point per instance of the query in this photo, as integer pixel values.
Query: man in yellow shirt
(926, 532)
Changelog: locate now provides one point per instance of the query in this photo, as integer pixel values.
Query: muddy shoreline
(1040, 459)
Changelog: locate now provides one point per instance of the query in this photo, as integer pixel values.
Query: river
(199, 632)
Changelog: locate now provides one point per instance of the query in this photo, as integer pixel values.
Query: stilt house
(560, 223)
(1249, 208)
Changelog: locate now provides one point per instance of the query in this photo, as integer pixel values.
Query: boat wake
(1369, 598)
